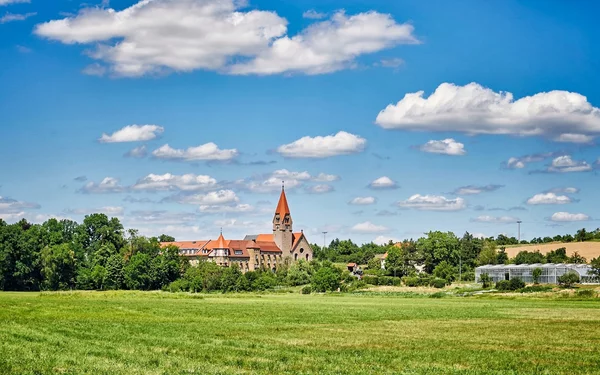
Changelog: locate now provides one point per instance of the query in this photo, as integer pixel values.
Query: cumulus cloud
(564, 190)
(383, 182)
(11, 206)
(133, 133)
(11, 17)
(6, 2)
(362, 201)
(155, 36)
(474, 189)
(574, 138)
(368, 227)
(215, 209)
(208, 151)
(565, 164)
(433, 203)
(169, 182)
(342, 143)
(521, 162)
(138, 152)
(474, 109)
(446, 146)
(212, 198)
(107, 185)
(319, 189)
(285, 174)
(566, 216)
(324, 177)
(384, 240)
(495, 219)
(548, 198)
(313, 14)
(269, 185)
(107, 210)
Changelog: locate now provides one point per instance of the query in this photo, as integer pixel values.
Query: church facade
(255, 251)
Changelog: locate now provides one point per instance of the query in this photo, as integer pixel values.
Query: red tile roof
(282, 207)
(268, 246)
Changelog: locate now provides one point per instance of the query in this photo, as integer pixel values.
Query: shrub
(355, 285)
(411, 281)
(438, 283)
(516, 283)
(503, 285)
(307, 289)
(445, 271)
(387, 280)
(485, 279)
(536, 288)
(326, 279)
(536, 274)
(179, 285)
(586, 293)
(568, 279)
(369, 279)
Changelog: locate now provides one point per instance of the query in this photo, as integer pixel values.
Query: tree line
(100, 254)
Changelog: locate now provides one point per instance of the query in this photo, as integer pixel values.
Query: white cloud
(168, 181)
(324, 177)
(208, 151)
(94, 70)
(473, 190)
(391, 63)
(496, 219)
(329, 45)
(6, 2)
(107, 185)
(210, 199)
(548, 198)
(284, 174)
(108, 210)
(383, 183)
(319, 189)
(342, 143)
(138, 152)
(163, 35)
(368, 227)
(521, 162)
(11, 17)
(565, 190)
(8, 205)
(474, 109)
(566, 216)
(565, 164)
(384, 240)
(433, 203)
(362, 201)
(215, 209)
(446, 146)
(574, 138)
(133, 133)
(271, 184)
(161, 217)
(313, 14)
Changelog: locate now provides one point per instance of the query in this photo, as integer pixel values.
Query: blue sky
(310, 92)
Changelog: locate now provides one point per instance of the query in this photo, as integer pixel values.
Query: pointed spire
(282, 207)
(221, 241)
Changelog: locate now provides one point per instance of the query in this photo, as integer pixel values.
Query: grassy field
(588, 250)
(158, 333)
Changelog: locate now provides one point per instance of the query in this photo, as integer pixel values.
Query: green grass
(159, 333)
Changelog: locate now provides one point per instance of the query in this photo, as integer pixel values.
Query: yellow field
(589, 250)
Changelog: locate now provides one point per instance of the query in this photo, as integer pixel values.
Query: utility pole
(324, 241)
(519, 224)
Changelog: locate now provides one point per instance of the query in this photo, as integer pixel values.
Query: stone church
(254, 251)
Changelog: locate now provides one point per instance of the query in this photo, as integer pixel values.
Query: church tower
(282, 226)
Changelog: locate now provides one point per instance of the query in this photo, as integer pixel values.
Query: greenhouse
(550, 272)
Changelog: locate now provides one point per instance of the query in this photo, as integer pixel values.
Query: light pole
(519, 225)
(324, 241)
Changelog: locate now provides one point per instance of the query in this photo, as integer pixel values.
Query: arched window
(296, 256)
(301, 250)
(307, 257)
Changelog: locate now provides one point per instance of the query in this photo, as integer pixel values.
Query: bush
(503, 285)
(536, 288)
(179, 285)
(326, 279)
(536, 274)
(388, 280)
(485, 279)
(307, 289)
(355, 285)
(438, 283)
(568, 279)
(516, 283)
(372, 280)
(586, 293)
(445, 271)
(411, 281)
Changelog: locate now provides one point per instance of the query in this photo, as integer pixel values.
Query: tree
(576, 259)
(526, 257)
(488, 254)
(326, 279)
(438, 247)
(138, 271)
(557, 256)
(165, 238)
(485, 279)
(445, 271)
(115, 272)
(581, 235)
(595, 268)
(536, 274)
(502, 257)
(568, 279)
(58, 267)
(394, 262)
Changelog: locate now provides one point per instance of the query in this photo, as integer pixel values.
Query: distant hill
(589, 250)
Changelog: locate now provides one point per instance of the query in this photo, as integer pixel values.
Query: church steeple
(282, 224)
